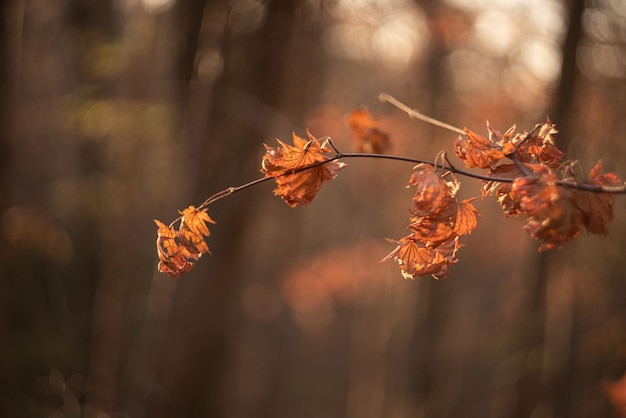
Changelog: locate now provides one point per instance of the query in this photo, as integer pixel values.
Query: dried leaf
(301, 186)
(432, 194)
(505, 171)
(597, 208)
(193, 229)
(552, 215)
(415, 259)
(466, 217)
(366, 133)
(179, 249)
(540, 147)
(505, 141)
(477, 151)
(195, 221)
(432, 232)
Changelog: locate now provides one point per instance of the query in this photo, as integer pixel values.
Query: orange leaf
(299, 187)
(193, 229)
(415, 259)
(476, 151)
(432, 194)
(172, 258)
(466, 218)
(179, 249)
(540, 147)
(196, 221)
(366, 133)
(432, 232)
(502, 190)
(597, 208)
(506, 171)
(552, 214)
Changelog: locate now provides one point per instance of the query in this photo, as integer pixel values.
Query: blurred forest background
(115, 112)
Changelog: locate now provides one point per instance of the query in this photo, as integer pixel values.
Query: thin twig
(416, 114)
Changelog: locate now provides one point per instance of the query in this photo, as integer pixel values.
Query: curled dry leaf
(416, 259)
(432, 194)
(477, 151)
(289, 165)
(368, 137)
(466, 217)
(538, 146)
(178, 250)
(597, 208)
(551, 215)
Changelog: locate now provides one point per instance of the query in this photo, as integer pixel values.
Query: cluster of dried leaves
(543, 187)
(178, 249)
(526, 173)
(437, 221)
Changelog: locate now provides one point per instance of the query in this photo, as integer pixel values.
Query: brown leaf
(432, 232)
(505, 171)
(466, 217)
(415, 259)
(477, 151)
(301, 186)
(366, 133)
(552, 214)
(505, 141)
(597, 208)
(196, 221)
(193, 229)
(432, 194)
(172, 259)
(540, 147)
(179, 249)
(502, 190)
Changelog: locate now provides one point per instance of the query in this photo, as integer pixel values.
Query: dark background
(117, 112)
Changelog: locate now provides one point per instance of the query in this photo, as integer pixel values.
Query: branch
(449, 167)
(417, 254)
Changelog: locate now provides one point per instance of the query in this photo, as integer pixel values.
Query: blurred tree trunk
(40, 290)
(559, 378)
(549, 384)
(564, 97)
(225, 126)
(6, 103)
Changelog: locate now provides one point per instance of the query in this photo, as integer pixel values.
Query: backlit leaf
(477, 151)
(466, 217)
(415, 259)
(288, 164)
(597, 208)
